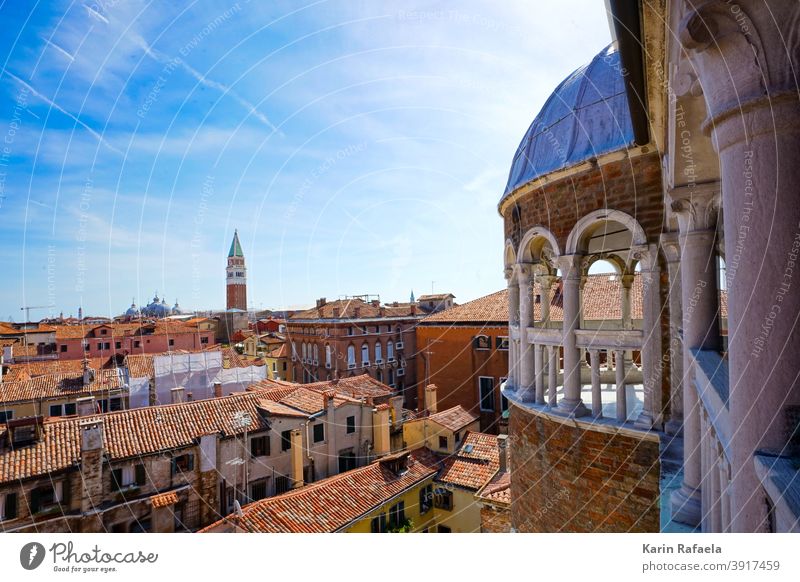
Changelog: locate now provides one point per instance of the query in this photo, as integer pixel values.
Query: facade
(348, 337)
(649, 195)
(236, 277)
(439, 431)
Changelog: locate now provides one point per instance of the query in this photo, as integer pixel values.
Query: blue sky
(357, 146)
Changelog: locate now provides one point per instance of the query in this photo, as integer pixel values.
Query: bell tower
(236, 274)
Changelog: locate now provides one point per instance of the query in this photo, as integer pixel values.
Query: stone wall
(570, 479)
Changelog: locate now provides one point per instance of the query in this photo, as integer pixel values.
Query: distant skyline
(358, 147)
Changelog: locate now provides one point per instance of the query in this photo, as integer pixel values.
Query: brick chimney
(86, 406)
(321, 301)
(430, 398)
(376, 303)
(178, 395)
(380, 430)
(217, 389)
(296, 451)
(91, 464)
(336, 312)
(396, 403)
(356, 312)
(382, 311)
(502, 449)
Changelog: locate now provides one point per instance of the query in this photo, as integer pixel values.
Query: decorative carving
(697, 207)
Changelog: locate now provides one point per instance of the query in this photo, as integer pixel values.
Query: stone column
(626, 283)
(552, 373)
(652, 368)
(513, 318)
(619, 368)
(527, 367)
(571, 271)
(597, 403)
(545, 291)
(696, 211)
(754, 116)
(539, 361)
(670, 246)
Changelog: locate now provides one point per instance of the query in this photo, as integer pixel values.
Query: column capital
(718, 33)
(571, 266)
(696, 206)
(647, 255)
(671, 246)
(508, 274)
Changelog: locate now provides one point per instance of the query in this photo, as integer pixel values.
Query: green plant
(405, 526)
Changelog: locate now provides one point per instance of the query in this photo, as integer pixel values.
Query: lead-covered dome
(586, 116)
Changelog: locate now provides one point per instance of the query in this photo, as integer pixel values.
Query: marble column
(513, 319)
(571, 271)
(622, 402)
(670, 246)
(546, 292)
(696, 210)
(552, 373)
(754, 117)
(652, 364)
(539, 371)
(597, 402)
(527, 367)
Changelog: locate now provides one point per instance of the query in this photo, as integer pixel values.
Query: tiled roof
(280, 350)
(347, 310)
(334, 503)
(492, 307)
(498, 489)
(474, 463)
(164, 499)
(359, 386)
(43, 367)
(57, 386)
(312, 401)
(435, 297)
(131, 433)
(161, 327)
(454, 418)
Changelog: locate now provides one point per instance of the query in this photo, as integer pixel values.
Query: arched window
(390, 350)
(364, 355)
(305, 351)
(316, 353)
(351, 356)
(391, 377)
(327, 356)
(378, 353)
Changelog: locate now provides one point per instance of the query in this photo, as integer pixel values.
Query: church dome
(158, 308)
(132, 311)
(586, 116)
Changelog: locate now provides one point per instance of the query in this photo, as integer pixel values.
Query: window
(319, 433)
(286, 440)
(486, 393)
(304, 351)
(8, 506)
(140, 475)
(351, 356)
(46, 496)
(6, 415)
(482, 342)
(103, 332)
(316, 353)
(442, 442)
(443, 499)
(425, 499)
(56, 410)
(364, 355)
(204, 340)
(390, 351)
(379, 524)
(100, 345)
(351, 424)
(274, 367)
(107, 346)
(258, 490)
(116, 480)
(136, 343)
(458, 438)
(68, 409)
(259, 446)
(281, 485)
(284, 366)
(327, 356)
(391, 376)
(347, 460)
(116, 404)
(171, 342)
(63, 347)
(182, 463)
(501, 343)
(117, 345)
(397, 514)
(378, 353)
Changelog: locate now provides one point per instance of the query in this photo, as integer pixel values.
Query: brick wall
(495, 519)
(567, 478)
(630, 185)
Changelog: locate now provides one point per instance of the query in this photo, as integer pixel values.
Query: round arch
(587, 225)
(533, 242)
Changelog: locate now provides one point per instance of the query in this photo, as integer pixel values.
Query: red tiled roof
(43, 367)
(474, 463)
(347, 310)
(333, 503)
(164, 499)
(498, 489)
(454, 418)
(57, 386)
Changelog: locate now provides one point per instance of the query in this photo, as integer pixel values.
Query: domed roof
(132, 311)
(586, 116)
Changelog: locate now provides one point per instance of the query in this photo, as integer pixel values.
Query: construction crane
(28, 308)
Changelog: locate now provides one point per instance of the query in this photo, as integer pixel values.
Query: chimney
(85, 406)
(91, 464)
(382, 311)
(336, 312)
(296, 440)
(177, 394)
(502, 449)
(376, 303)
(330, 432)
(397, 409)
(189, 397)
(88, 373)
(380, 430)
(430, 398)
(321, 301)
(217, 389)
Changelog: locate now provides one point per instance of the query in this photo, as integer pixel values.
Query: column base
(674, 427)
(526, 393)
(574, 408)
(646, 421)
(686, 506)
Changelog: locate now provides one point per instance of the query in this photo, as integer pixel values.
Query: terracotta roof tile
(474, 463)
(454, 418)
(347, 310)
(58, 386)
(164, 499)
